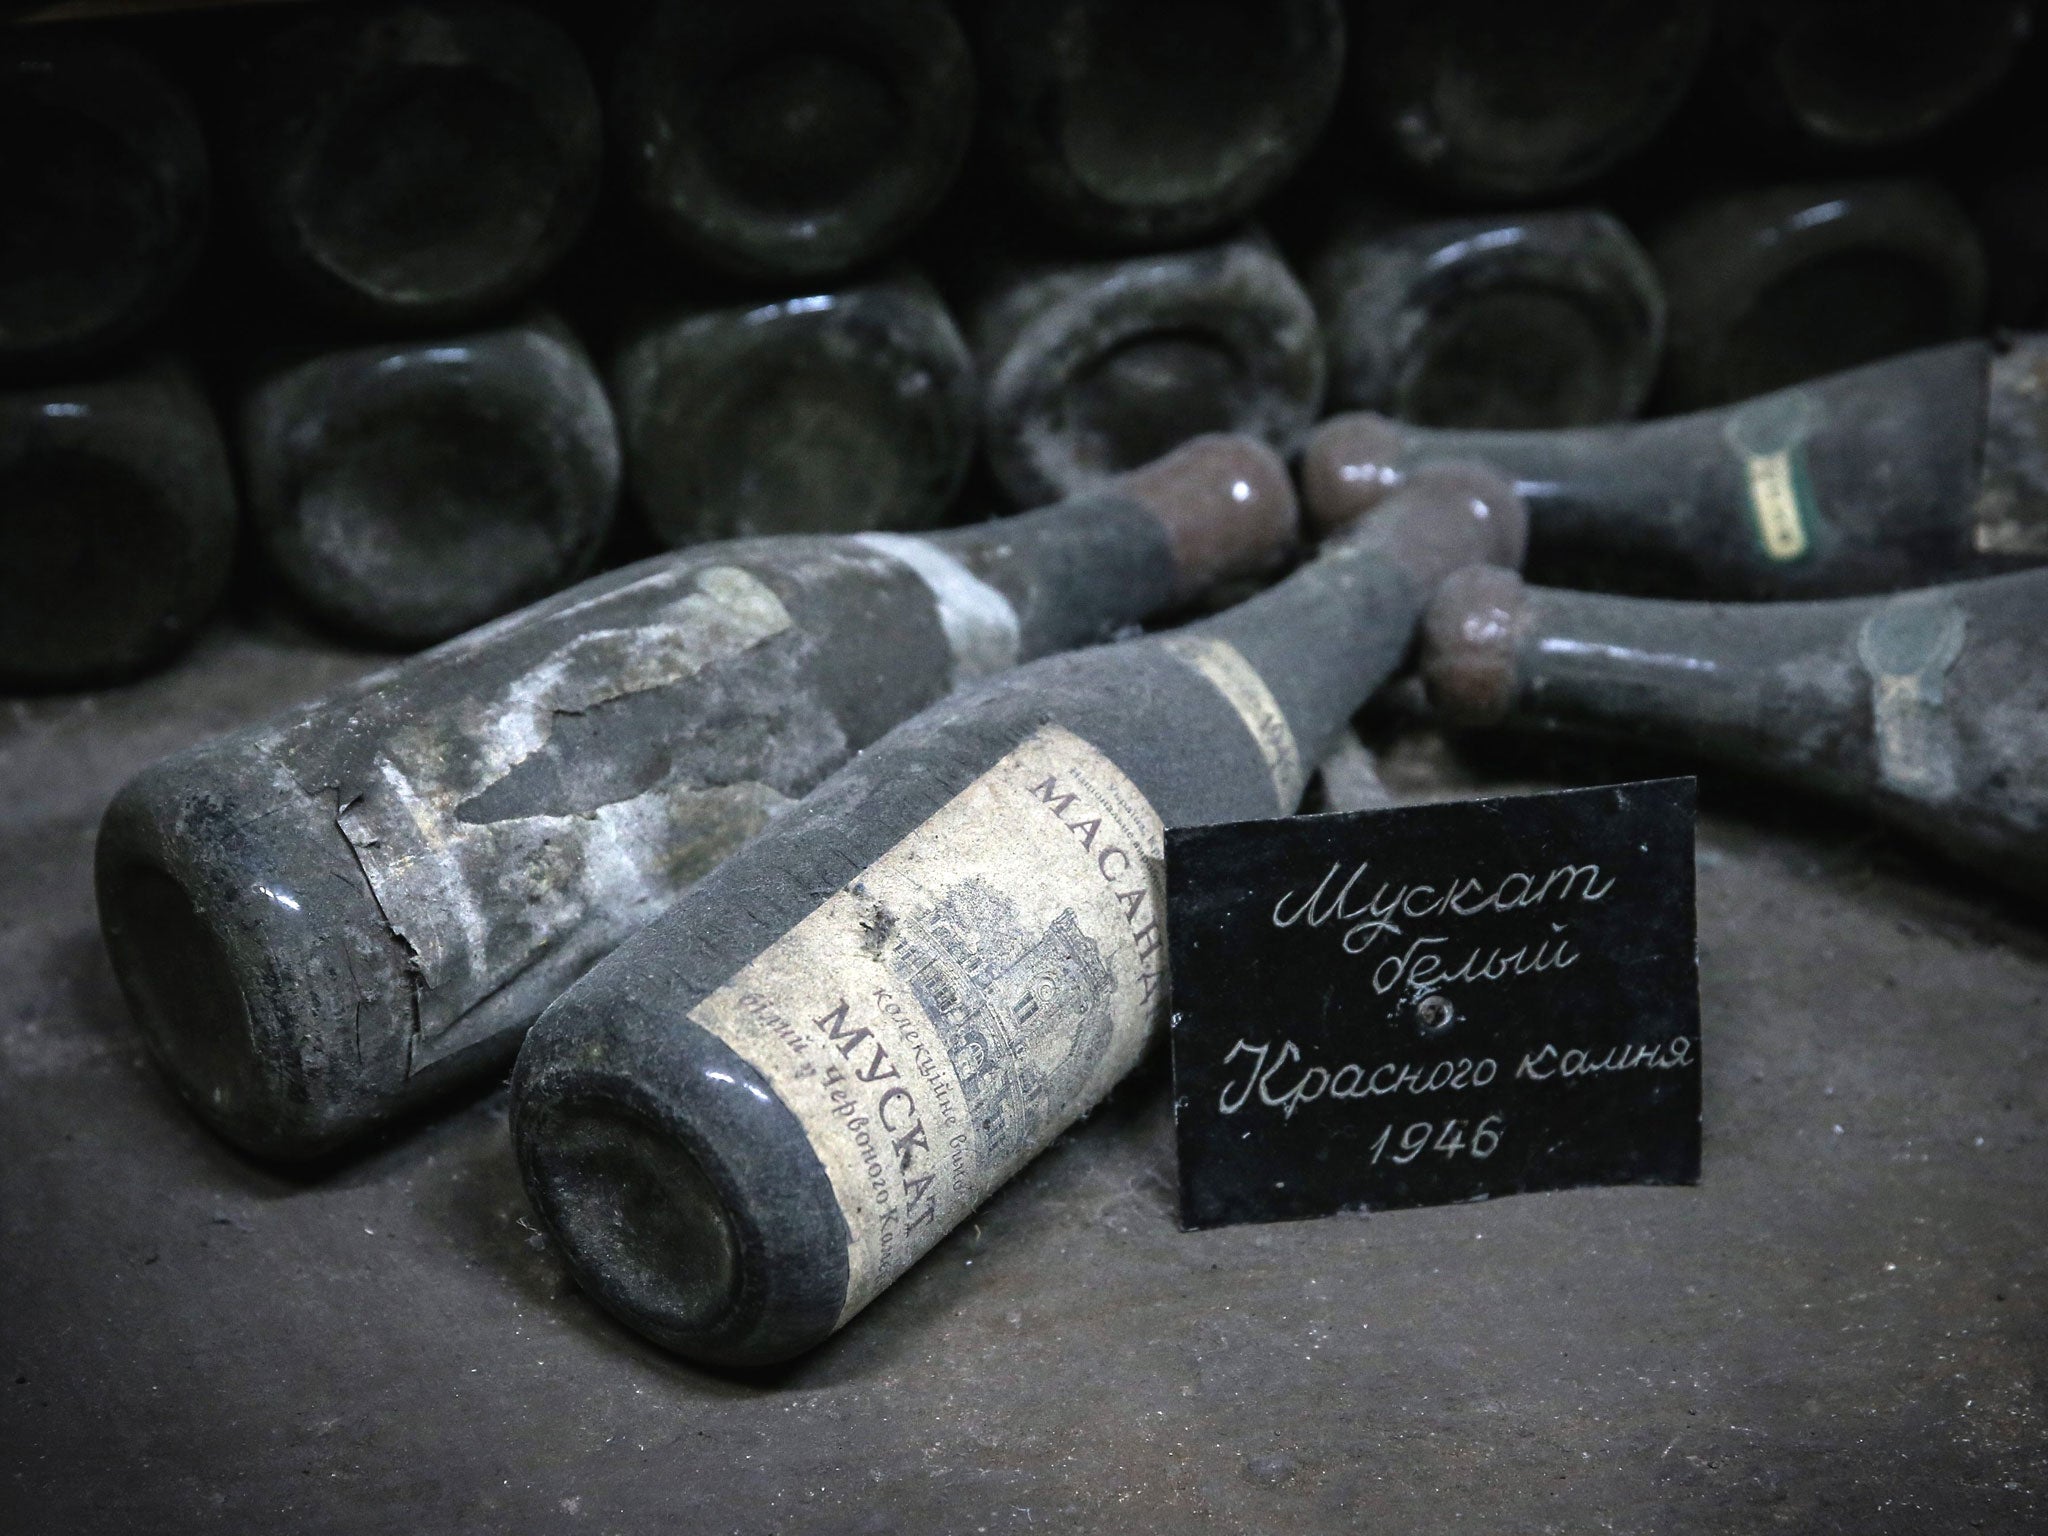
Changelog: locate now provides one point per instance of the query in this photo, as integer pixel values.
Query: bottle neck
(1775, 686)
(1861, 482)
(1075, 572)
(1323, 640)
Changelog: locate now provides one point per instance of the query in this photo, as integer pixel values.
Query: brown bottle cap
(1469, 636)
(1446, 516)
(1225, 502)
(1352, 464)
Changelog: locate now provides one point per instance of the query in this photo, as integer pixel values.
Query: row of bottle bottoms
(815, 882)
(406, 491)
(425, 162)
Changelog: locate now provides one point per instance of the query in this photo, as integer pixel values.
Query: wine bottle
(1154, 124)
(105, 186)
(1928, 707)
(1843, 75)
(404, 493)
(117, 526)
(1091, 368)
(825, 413)
(1348, 778)
(1507, 100)
(419, 161)
(771, 1100)
(1549, 319)
(329, 919)
(793, 138)
(1925, 466)
(1771, 286)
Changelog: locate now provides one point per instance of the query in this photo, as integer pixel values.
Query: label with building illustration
(1769, 436)
(952, 1009)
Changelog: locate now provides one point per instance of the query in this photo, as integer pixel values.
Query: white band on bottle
(980, 623)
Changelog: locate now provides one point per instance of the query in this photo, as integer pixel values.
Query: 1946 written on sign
(1434, 1003)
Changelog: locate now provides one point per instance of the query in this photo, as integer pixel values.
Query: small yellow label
(1774, 498)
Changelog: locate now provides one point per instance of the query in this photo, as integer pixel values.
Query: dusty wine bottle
(1845, 75)
(1092, 368)
(422, 160)
(1928, 707)
(329, 919)
(1549, 319)
(826, 413)
(770, 1101)
(1503, 99)
(405, 493)
(793, 138)
(117, 526)
(1771, 286)
(1147, 124)
(105, 187)
(1927, 466)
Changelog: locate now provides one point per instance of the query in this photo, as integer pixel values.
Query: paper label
(980, 623)
(1907, 647)
(434, 849)
(1769, 435)
(946, 1014)
(1246, 692)
(1774, 499)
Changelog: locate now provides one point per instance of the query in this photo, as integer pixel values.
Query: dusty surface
(1844, 1329)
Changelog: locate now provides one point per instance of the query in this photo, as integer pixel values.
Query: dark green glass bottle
(1930, 707)
(1924, 467)
(329, 919)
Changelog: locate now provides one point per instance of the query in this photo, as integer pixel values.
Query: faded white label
(584, 878)
(2009, 523)
(981, 984)
(980, 623)
(1907, 648)
(1246, 692)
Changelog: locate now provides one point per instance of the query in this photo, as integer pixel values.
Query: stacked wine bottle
(924, 345)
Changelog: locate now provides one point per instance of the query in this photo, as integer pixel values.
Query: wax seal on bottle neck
(1351, 464)
(1226, 504)
(1442, 518)
(1468, 643)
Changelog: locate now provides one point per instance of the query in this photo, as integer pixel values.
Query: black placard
(1434, 1003)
